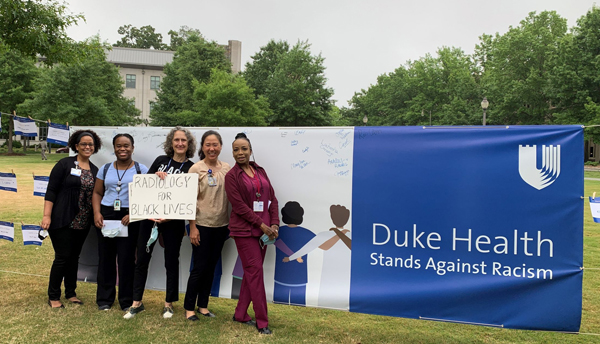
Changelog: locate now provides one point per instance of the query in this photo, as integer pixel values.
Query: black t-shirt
(165, 164)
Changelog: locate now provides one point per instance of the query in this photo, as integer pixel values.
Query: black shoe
(208, 315)
(264, 330)
(193, 318)
(104, 308)
(50, 304)
(249, 322)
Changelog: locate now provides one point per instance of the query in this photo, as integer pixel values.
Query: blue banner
(479, 225)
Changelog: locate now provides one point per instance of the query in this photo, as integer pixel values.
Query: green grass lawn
(26, 318)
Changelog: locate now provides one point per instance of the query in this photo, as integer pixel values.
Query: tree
(178, 38)
(143, 38)
(88, 93)
(38, 27)
(293, 81)
(263, 66)
(17, 74)
(194, 60)
(224, 100)
(517, 68)
(441, 90)
(574, 79)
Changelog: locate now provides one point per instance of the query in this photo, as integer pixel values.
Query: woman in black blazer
(68, 213)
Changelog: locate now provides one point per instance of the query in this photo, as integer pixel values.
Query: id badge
(212, 181)
(117, 205)
(259, 206)
(76, 172)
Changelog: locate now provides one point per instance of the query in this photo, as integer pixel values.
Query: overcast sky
(359, 39)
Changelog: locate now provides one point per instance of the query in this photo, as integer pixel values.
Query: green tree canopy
(293, 80)
(517, 68)
(144, 37)
(443, 88)
(263, 66)
(224, 100)
(87, 93)
(178, 38)
(193, 61)
(38, 27)
(575, 76)
(17, 75)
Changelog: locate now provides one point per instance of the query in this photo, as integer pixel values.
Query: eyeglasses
(86, 144)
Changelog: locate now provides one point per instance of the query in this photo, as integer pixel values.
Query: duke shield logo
(539, 178)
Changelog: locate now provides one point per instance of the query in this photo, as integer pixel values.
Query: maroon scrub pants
(253, 286)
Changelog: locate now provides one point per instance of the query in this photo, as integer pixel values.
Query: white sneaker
(132, 311)
(167, 312)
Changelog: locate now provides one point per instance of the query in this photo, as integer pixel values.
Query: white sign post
(171, 198)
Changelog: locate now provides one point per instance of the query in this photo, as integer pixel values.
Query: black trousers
(204, 259)
(112, 252)
(67, 243)
(172, 234)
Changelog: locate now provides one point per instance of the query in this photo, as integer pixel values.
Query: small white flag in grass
(595, 207)
(7, 231)
(40, 184)
(8, 182)
(30, 235)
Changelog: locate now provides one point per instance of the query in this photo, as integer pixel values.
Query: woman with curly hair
(180, 146)
(68, 213)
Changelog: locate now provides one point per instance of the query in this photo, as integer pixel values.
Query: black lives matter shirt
(165, 164)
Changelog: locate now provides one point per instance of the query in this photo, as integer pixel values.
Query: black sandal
(50, 304)
(77, 302)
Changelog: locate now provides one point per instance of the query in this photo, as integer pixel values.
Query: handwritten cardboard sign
(171, 198)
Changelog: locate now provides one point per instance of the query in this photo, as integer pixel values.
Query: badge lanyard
(258, 205)
(180, 167)
(117, 204)
(76, 171)
(212, 181)
(257, 190)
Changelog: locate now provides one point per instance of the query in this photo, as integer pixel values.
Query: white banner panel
(311, 166)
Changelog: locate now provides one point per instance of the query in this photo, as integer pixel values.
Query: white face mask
(110, 232)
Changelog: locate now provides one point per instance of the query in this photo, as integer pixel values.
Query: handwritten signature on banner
(328, 148)
(300, 164)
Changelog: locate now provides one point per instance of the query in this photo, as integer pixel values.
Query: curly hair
(76, 137)
(191, 141)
